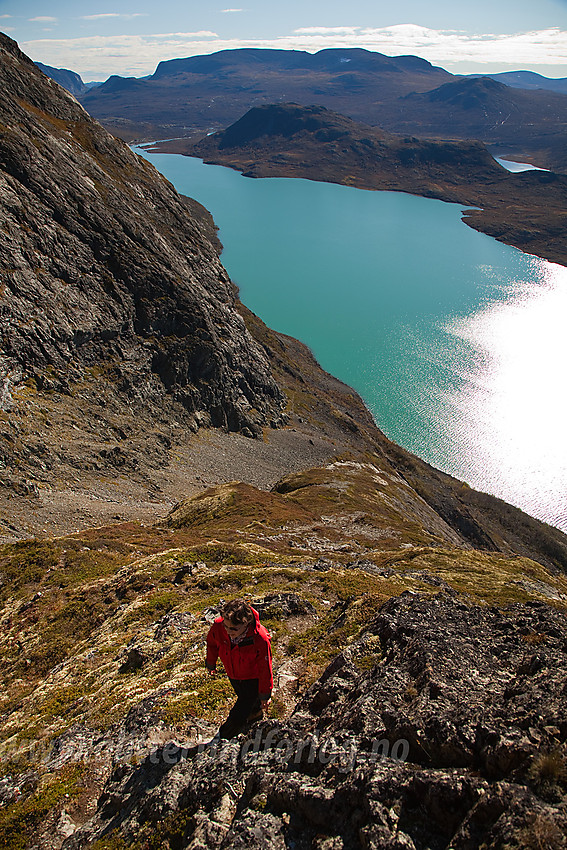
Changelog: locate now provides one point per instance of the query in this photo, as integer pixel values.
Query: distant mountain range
(511, 114)
(68, 79)
(517, 113)
(527, 80)
(516, 79)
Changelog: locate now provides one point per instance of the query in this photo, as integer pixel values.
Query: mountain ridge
(195, 95)
(70, 80)
(528, 80)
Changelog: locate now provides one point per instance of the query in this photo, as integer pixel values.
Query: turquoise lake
(456, 342)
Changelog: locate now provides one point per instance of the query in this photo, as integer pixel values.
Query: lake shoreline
(325, 234)
(523, 209)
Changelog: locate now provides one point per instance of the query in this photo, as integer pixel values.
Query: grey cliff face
(103, 265)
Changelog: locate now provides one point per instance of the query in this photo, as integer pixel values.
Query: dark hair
(237, 611)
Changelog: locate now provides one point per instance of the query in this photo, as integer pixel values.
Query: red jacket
(249, 659)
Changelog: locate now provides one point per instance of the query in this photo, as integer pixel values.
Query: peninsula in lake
(525, 209)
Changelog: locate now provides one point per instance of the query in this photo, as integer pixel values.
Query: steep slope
(412, 738)
(449, 685)
(122, 335)
(104, 265)
(68, 79)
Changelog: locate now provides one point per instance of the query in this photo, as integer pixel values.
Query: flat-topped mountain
(401, 94)
(195, 94)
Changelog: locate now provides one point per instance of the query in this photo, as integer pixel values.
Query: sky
(97, 39)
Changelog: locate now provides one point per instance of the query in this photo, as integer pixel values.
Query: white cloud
(43, 19)
(96, 57)
(113, 15)
(326, 31)
(231, 10)
(5, 16)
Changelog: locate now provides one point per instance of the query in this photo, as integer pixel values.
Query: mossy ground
(20, 820)
(72, 608)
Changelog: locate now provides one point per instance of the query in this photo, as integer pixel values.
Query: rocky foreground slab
(442, 726)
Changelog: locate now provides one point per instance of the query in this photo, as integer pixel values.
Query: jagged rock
(278, 606)
(435, 746)
(183, 572)
(135, 660)
(173, 624)
(370, 567)
(209, 615)
(66, 826)
(462, 684)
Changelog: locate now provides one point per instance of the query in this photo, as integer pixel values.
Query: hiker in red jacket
(245, 651)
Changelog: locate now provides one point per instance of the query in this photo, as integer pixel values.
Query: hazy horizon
(130, 38)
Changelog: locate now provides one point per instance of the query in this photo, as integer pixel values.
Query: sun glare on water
(511, 408)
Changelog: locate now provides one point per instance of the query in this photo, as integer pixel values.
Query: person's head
(236, 616)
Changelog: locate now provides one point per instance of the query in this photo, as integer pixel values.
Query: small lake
(455, 341)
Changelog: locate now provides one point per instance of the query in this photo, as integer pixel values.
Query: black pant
(248, 703)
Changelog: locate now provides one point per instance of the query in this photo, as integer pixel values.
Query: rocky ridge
(102, 672)
(104, 267)
(411, 738)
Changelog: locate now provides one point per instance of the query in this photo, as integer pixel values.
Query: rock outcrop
(104, 267)
(338, 149)
(442, 726)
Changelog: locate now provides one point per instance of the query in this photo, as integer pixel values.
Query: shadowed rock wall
(102, 263)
